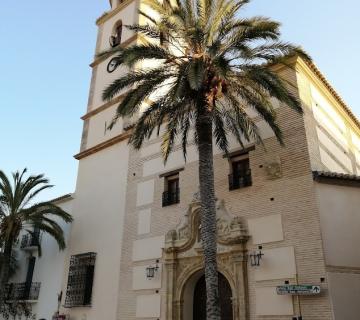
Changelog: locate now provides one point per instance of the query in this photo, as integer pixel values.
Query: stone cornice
(103, 145)
(127, 42)
(108, 15)
(103, 107)
(343, 269)
(63, 198)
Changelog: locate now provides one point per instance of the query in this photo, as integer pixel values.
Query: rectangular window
(80, 280)
(240, 176)
(171, 194)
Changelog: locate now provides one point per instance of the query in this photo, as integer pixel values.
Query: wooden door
(199, 306)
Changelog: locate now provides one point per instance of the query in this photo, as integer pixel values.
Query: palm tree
(210, 66)
(19, 212)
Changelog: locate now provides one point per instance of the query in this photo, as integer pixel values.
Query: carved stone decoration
(183, 259)
(230, 229)
(273, 168)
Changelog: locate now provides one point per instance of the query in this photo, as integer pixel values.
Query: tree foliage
(204, 51)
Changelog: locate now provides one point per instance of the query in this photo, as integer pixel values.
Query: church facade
(287, 217)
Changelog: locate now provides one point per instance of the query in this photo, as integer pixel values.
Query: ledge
(107, 15)
(63, 198)
(103, 107)
(340, 179)
(105, 56)
(103, 145)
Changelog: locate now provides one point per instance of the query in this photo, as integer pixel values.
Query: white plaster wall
(141, 282)
(98, 125)
(175, 160)
(114, 3)
(334, 150)
(103, 79)
(355, 140)
(329, 162)
(145, 192)
(144, 221)
(99, 210)
(269, 303)
(345, 295)
(330, 126)
(326, 106)
(129, 15)
(49, 269)
(148, 306)
(151, 149)
(149, 248)
(278, 263)
(340, 221)
(266, 229)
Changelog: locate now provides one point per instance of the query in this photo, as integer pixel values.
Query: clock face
(112, 65)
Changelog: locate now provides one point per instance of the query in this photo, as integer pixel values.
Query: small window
(240, 176)
(115, 38)
(80, 280)
(171, 194)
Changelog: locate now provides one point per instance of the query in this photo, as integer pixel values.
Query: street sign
(301, 290)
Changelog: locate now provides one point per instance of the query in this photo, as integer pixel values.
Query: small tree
(17, 310)
(19, 211)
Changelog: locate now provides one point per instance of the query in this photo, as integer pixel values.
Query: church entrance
(199, 305)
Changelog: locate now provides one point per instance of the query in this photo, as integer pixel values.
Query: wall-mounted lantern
(152, 270)
(256, 257)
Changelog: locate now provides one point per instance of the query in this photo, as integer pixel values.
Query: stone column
(240, 261)
(170, 264)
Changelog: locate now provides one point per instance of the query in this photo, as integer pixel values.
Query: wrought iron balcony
(22, 291)
(29, 241)
(238, 181)
(170, 197)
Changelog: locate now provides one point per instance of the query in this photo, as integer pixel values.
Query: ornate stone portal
(183, 259)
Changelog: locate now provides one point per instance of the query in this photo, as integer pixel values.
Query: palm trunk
(5, 272)
(208, 215)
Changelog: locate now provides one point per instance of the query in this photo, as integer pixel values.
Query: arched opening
(194, 307)
(115, 38)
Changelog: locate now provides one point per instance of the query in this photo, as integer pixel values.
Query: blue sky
(46, 47)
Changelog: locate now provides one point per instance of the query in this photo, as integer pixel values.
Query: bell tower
(99, 204)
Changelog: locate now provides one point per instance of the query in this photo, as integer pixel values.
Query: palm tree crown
(211, 62)
(19, 212)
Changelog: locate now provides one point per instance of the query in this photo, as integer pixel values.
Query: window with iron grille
(240, 176)
(171, 194)
(80, 280)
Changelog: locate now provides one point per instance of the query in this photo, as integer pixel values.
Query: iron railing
(22, 291)
(238, 181)
(170, 197)
(80, 280)
(30, 240)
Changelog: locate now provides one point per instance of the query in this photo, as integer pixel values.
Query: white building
(299, 203)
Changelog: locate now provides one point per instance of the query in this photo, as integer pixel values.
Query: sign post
(298, 290)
